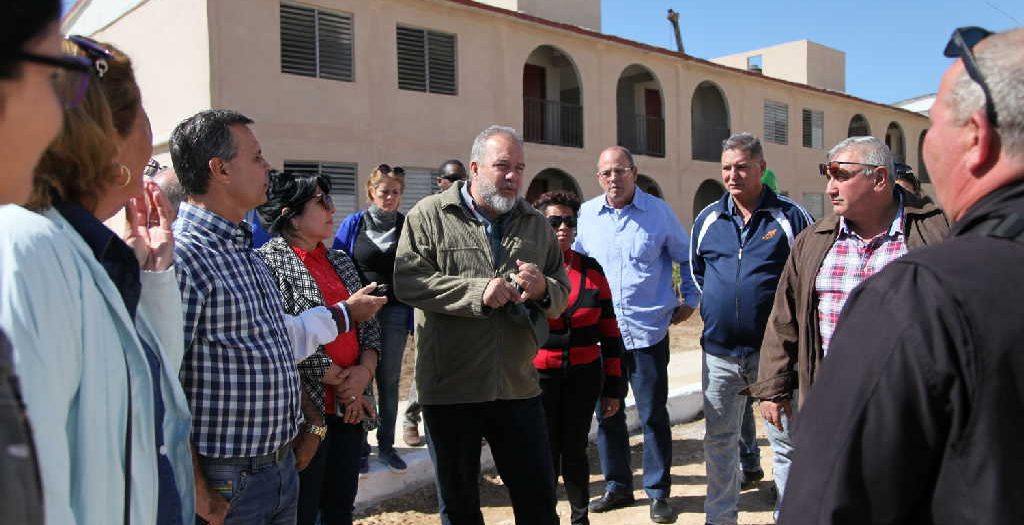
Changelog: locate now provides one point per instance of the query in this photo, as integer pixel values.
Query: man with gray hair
(738, 247)
(484, 268)
(916, 414)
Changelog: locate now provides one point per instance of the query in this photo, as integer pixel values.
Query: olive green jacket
(467, 352)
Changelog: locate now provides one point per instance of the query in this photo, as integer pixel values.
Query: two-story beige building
(339, 86)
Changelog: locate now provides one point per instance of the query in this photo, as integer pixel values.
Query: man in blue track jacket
(739, 245)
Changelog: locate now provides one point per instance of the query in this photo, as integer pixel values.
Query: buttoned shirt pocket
(645, 248)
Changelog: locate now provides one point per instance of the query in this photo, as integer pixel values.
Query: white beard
(493, 198)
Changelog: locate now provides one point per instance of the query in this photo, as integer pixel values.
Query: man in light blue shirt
(636, 237)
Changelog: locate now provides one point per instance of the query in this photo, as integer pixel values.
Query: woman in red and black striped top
(580, 361)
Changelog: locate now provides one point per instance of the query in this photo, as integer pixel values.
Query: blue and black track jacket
(737, 266)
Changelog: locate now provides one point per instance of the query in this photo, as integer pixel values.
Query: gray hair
(1002, 64)
(480, 142)
(872, 151)
(198, 139)
(746, 143)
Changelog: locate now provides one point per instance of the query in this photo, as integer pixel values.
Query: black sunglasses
(385, 169)
(961, 44)
(556, 221)
(72, 77)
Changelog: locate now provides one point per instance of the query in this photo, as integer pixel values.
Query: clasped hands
(348, 385)
(500, 291)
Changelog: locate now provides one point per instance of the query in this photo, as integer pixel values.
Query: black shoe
(750, 478)
(661, 511)
(612, 501)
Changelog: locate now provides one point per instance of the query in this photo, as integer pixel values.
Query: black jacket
(918, 412)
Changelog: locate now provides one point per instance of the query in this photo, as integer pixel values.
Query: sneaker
(750, 478)
(412, 437)
(392, 460)
(364, 467)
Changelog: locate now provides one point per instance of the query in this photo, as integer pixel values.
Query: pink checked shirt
(851, 260)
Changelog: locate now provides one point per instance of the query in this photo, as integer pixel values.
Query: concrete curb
(684, 405)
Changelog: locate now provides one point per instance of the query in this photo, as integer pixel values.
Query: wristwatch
(320, 432)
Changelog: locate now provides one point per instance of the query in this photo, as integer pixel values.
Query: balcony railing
(552, 122)
(707, 142)
(647, 136)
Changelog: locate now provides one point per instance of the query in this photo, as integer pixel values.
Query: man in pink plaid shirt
(874, 222)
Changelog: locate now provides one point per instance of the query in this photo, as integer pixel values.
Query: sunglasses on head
(961, 45)
(324, 199)
(385, 169)
(833, 169)
(556, 221)
(74, 72)
(152, 168)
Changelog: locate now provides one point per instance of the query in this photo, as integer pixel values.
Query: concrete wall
(583, 13)
(801, 61)
(167, 42)
(370, 120)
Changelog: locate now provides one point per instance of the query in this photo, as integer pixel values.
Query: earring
(128, 175)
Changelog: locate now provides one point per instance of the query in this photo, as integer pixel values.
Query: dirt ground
(419, 507)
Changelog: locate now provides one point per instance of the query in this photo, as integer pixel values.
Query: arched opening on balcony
(858, 127)
(649, 185)
(922, 169)
(552, 179)
(640, 109)
(897, 145)
(709, 124)
(552, 99)
(709, 191)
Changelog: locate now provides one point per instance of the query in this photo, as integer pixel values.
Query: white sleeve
(310, 329)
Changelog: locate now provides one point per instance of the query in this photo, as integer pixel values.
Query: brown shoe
(412, 436)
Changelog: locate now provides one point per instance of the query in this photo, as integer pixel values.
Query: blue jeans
(517, 434)
(750, 454)
(782, 453)
(723, 378)
(394, 327)
(268, 496)
(646, 369)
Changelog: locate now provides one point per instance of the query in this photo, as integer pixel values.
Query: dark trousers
(569, 395)
(329, 483)
(516, 433)
(646, 369)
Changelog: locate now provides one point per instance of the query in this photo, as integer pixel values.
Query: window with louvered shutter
(426, 60)
(343, 183)
(776, 122)
(419, 182)
(813, 128)
(316, 43)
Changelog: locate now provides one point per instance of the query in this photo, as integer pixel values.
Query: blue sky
(893, 47)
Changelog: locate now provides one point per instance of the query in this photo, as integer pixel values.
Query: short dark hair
(21, 23)
(558, 198)
(455, 162)
(287, 194)
(199, 138)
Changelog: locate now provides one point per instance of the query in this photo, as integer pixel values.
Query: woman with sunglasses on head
(370, 237)
(580, 361)
(97, 320)
(30, 117)
(299, 216)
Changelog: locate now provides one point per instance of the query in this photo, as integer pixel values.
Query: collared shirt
(636, 246)
(122, 266)
(851, 260)
(239, 372)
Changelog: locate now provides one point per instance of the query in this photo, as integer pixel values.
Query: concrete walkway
(684, 404)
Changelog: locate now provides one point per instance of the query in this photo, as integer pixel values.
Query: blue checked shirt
(239, 373)
(636, 247)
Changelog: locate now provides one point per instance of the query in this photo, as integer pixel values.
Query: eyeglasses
(452, 177)
(618, 172)
(385, 169)
(556, 221)
(832, 169)
(961, 44)
(152, 168)
(325, 200)
(72, 78)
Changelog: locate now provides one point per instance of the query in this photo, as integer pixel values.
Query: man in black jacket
(916, 414)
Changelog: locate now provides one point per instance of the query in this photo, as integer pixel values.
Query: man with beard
(636, 238)
(485, 269)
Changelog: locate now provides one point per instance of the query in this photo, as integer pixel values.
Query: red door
(534, 88)
(655, 125)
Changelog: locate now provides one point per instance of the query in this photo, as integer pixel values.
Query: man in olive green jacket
(485, 269)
